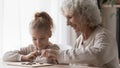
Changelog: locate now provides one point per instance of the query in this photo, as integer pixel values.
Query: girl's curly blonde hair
(42, 20)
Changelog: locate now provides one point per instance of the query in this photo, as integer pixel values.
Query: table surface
(5, 65)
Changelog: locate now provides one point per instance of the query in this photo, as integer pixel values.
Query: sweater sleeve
(14, 56)
(97, 54)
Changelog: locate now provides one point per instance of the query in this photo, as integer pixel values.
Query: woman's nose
(68, 22)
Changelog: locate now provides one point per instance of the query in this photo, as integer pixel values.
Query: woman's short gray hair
(86, 8)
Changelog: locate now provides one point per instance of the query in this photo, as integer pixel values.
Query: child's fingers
(38, 52)
(31, 57)
(34, 53)
(43, 53)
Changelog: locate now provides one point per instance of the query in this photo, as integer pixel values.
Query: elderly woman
(95, 46)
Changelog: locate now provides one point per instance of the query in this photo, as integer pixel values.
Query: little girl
(40, 30)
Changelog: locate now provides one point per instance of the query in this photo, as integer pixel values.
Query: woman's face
(40, 38)
(74, 21)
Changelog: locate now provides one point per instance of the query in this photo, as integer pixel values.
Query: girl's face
(40, 38)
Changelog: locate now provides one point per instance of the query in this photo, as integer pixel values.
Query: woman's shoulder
(103, 32)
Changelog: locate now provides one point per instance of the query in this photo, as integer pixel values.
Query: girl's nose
(38, 42)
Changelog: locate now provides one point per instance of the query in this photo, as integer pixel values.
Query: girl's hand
(29, 57)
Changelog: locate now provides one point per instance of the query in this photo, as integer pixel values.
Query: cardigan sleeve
(17, 54)
(97, 54)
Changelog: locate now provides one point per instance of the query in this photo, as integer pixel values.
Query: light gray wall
(109, 19)
(1, 21)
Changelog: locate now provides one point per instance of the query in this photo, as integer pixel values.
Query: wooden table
(4, 65)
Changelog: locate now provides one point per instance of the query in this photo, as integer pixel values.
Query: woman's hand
(50, 54)
(29, 57)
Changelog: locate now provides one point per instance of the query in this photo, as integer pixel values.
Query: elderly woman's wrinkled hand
(49, 53)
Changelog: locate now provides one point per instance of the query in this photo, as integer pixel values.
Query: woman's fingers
(52, 52)
(53, 60)
(45, 52)
(49, 53)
